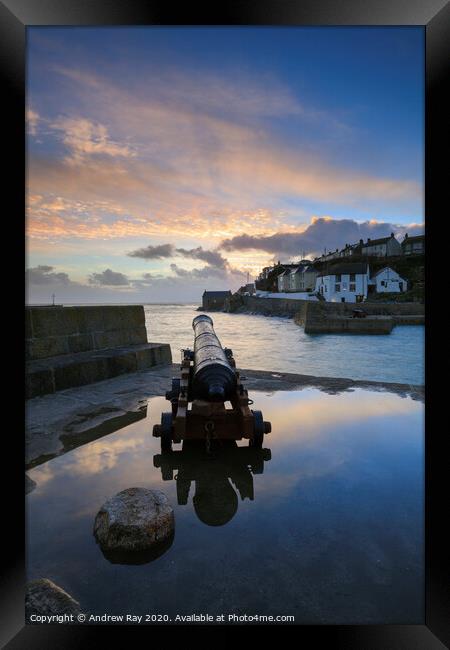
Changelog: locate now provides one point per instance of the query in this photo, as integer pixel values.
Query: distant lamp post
(53, 298)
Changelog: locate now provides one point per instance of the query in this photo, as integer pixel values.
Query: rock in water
(44, 597)
(135, 526)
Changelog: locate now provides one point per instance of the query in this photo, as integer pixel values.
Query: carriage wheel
(258, 430)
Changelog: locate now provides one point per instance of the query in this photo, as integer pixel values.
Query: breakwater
(73, 346)
(330, 317)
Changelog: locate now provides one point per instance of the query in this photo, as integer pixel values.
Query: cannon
(208, 380)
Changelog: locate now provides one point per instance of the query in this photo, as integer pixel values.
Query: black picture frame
(434, 16)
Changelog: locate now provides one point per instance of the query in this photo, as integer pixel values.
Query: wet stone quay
(328, 515)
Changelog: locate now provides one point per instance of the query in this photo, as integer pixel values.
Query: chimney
(361, 242)
(368, 239)
(406, 235)
(392, 234)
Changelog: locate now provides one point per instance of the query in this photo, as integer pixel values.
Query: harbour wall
(73, 346)
(289, 307)
(330, 317)
(51, 331)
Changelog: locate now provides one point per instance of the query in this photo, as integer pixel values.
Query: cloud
(202, 273)
(109, 278)
(189, 154)
(45, 275)
(153, 252)
(86, 138)
(232, 92)
(213, 258)
(323, 232)
(32, 119)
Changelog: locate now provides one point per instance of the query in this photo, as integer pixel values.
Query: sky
(163, 161)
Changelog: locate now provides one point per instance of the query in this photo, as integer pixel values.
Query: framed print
(230, 416)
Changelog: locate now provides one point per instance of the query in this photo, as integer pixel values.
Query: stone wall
(74, 346)
(316, 318)
(290, 307)
(270, 306)
(333, 317)
(53, 331)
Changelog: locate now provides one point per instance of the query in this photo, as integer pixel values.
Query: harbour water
(327, 527)
(272, 343)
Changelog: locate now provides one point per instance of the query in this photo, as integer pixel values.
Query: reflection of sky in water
(278, 344)
(334, 533)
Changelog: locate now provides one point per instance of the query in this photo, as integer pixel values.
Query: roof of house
(216, 294)
(357, 268)
(376, 242)
(385, 268)
(414, 238)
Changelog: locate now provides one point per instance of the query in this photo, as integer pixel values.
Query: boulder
(43, 597)
(135, 526)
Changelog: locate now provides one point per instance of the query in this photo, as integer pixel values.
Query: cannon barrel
(213, 377)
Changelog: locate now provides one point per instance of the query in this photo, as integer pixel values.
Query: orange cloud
(84, 137)
(193, 156)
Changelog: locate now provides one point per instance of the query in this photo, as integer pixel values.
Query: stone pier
(320, 317)
(73, 346)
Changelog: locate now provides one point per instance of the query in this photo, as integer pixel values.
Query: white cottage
(388, 281)
(384, 247)
(283, 281)
(344, 283)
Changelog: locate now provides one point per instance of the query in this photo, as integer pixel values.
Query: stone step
(56, 373)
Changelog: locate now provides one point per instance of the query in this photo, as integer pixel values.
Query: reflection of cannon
(215, 500)
(209, 379)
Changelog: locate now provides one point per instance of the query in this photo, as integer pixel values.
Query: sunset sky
(166, 161)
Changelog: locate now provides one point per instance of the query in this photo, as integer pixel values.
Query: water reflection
(214, 474)
(338, 512)
(85, 429)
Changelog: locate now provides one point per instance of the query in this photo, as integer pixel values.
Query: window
(338, 277)
(337, 288)
(352, 286)
(352, 277)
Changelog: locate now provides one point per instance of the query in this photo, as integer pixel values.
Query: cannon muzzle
(214, 378)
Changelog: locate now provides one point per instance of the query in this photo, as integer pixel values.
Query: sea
(278, 344)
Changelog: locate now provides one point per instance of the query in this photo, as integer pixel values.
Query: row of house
(296, 278)
(382, 247)
(354, 282)
(346, 282)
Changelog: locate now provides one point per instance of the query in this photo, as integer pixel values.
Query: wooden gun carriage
(208, 380)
